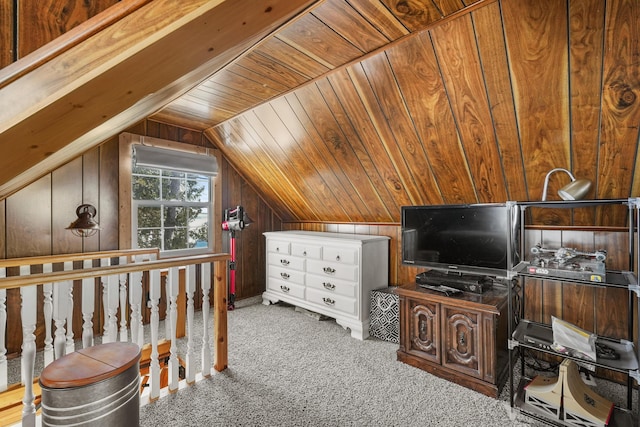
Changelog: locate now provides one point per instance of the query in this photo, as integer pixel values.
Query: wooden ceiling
(354, 108)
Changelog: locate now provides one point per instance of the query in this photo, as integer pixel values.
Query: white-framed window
(172, 200)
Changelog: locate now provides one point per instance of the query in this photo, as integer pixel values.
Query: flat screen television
(470, 239)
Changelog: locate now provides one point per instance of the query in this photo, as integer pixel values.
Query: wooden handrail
(71, 38)
(80, 256)
(86, 273)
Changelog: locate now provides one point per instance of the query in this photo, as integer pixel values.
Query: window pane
(199, 237)
(145, 188)
(149, 217)
(149, 238)
(173, 189)
(175, 238)
(197, 190)
(198, 228)
(138, 170)
(175, 216)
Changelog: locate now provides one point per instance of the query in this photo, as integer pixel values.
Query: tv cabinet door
(424, 330)
(462, 340)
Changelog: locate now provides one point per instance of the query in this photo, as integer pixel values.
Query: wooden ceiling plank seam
(274, 70)
(356, 210)
(424, 93)
(467, 9)
(416, 14)
(412, 160)
(323, 108)
(380, 17)
(316, 160)
(217, 101)
(333, 50)
(245, 77)
(538, 52)
(315, 150)
(230, 141)
(493, 59)
(383, 130)
(222, 90)
(296, 184)
(586, 74)
(245, 137)
(467, 92)
(342, 96)
(312, 184)
(621, 98)
(350, 25)
(278, 50)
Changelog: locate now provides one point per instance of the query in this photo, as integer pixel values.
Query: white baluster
(154, 299)
(124, 336)
(60, 300)
(190, 288)
(88, 306)
(104, 262)
(3, 327)
(206, 346)
(47, 309)
(28, 313)
(172, 297)
(113, 301)
(135, 301)
(70, 344)
(167, 323)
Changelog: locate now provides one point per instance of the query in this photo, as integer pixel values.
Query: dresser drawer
(285, 288)
(287, 261)
(334, 286)
(306, 251)
(341, 255)
(333, 270)
(278, 246)
(332, 301)
(287, 274)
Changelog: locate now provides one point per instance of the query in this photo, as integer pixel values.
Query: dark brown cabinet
(461, 338)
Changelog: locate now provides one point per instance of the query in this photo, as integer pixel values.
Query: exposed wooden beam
(122, 74)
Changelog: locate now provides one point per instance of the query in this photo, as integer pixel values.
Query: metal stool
(97, 386)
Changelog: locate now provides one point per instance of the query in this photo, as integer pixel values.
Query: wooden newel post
(220, 315)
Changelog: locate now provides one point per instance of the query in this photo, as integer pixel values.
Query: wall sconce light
(575, 190)
(85, 225)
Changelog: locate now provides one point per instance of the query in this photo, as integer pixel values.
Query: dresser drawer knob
(338, 258)
(304, 253)
(284, 261)
(329, 286)
(284, 276)
(328, 301)
(284, 288)
(329, 270)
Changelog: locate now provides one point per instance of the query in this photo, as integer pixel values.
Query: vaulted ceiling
(345, 110)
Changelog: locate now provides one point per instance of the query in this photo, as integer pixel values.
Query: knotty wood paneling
(537, 49)
(620, 112)
(585, 59)
(44, 20)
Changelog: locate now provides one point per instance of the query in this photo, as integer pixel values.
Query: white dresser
(327, 273)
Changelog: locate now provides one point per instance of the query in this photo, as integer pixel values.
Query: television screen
(471, 238)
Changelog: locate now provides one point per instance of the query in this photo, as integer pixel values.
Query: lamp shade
(575, 190)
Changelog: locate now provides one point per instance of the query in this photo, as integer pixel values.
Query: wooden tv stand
(461, 338)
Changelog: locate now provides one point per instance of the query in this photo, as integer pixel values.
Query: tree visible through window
(171, 209)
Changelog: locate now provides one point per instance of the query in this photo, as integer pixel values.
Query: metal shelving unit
(518, 325)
